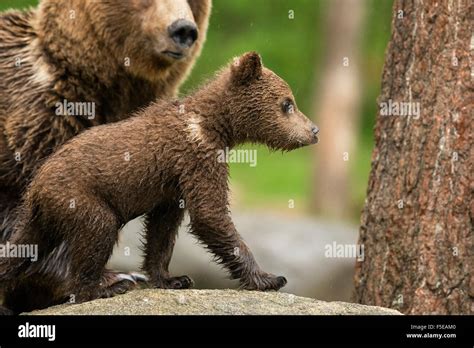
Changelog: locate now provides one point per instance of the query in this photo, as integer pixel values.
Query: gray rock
(212, 302)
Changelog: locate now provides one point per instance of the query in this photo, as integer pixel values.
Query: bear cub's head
(267, 110)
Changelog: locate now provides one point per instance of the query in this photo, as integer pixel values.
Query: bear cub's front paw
(263, 282)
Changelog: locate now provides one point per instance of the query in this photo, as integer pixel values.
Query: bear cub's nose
(183, 32)
(315, 130)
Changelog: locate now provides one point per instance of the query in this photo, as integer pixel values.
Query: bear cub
(162, 161)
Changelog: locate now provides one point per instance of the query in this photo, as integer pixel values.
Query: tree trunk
(338, 103)
(417, 223)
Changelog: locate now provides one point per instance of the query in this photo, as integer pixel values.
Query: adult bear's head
(147, 36)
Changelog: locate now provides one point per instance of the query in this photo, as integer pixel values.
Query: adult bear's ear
(246, 68)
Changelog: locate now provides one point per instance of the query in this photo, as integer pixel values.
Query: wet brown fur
(163, 157)
(76, 50)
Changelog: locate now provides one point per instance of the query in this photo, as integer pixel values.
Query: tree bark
(417, 223)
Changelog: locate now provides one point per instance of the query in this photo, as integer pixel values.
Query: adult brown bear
(70, 65)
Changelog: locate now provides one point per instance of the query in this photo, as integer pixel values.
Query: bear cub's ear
(247, 68)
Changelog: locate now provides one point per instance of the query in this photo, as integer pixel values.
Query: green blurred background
(295, 50)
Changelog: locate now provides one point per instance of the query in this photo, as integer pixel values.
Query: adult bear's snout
(183, 32)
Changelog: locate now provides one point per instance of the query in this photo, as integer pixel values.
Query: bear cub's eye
(288, 106)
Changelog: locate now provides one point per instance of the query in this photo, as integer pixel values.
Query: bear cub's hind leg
(98, 227)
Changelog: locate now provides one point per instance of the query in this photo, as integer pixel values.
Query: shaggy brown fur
(154, 162)
(119, 55)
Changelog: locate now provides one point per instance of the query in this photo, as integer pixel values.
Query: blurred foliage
(294, 48)
(7, 4)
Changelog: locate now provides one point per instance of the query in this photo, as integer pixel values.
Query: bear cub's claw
(181, 282)
(116, 283)
(111, 277)
(119, 288)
